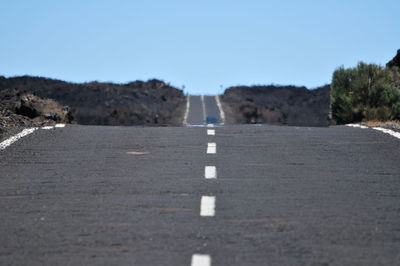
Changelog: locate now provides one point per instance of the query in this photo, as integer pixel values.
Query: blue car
(211, 120)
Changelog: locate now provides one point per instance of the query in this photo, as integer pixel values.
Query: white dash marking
(204, 108)
(16, 137)
(48, 127)
(59, 125)
(210, 125)
(201, 260)
(221, 111)
(210, 172)
(185, 118)
(388, 131)
(137, 152)
(207, 206)
(212, 148)
(211, 132)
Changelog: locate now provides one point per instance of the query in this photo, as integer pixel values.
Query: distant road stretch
(200, 107)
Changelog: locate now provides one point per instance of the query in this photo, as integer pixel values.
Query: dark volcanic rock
(136, 103)
(288, 105)
(19, 110)
(26, 109)
(395, 62)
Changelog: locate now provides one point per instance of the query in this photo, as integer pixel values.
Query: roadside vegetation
(367, 92)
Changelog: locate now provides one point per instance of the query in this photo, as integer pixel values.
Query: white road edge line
(211, 132)
(384, 130)
(48, 127)
(357, 125)
(210, 172)
(207, 206)
(16, 137)
(59, 125)
(185, 118)
(201, 260)
(388, 131)
(212, 148)
(204, 108)
(221, 111)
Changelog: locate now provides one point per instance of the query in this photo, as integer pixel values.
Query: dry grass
(391, 124)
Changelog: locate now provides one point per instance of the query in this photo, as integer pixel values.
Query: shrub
(382, 113)
(366, 92)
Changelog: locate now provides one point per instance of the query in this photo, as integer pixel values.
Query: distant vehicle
(211, 120)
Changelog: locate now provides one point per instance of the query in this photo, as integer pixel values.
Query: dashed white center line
(201, 260)
(210, 172)
(207, 206)
(212, 148)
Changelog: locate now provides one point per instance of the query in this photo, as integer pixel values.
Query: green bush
(382, 113)
(365, 92)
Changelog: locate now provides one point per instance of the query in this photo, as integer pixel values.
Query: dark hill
(395, 62)
(136, 103)
(394, 65)
(288, 105)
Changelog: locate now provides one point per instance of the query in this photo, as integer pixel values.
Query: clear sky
(200, 44)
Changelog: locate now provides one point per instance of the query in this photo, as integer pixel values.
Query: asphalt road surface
(200, 108)
(95, 195)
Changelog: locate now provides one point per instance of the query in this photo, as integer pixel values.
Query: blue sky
(199, 44)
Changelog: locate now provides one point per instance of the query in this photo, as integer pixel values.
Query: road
(95, 195)
(200, 108)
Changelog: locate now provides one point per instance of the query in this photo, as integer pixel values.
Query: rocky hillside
(395, 62)
(287, 105)
(136, 103)
(394, 65)
(21, 109)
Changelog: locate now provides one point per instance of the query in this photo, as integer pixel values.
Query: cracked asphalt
(96, 195)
